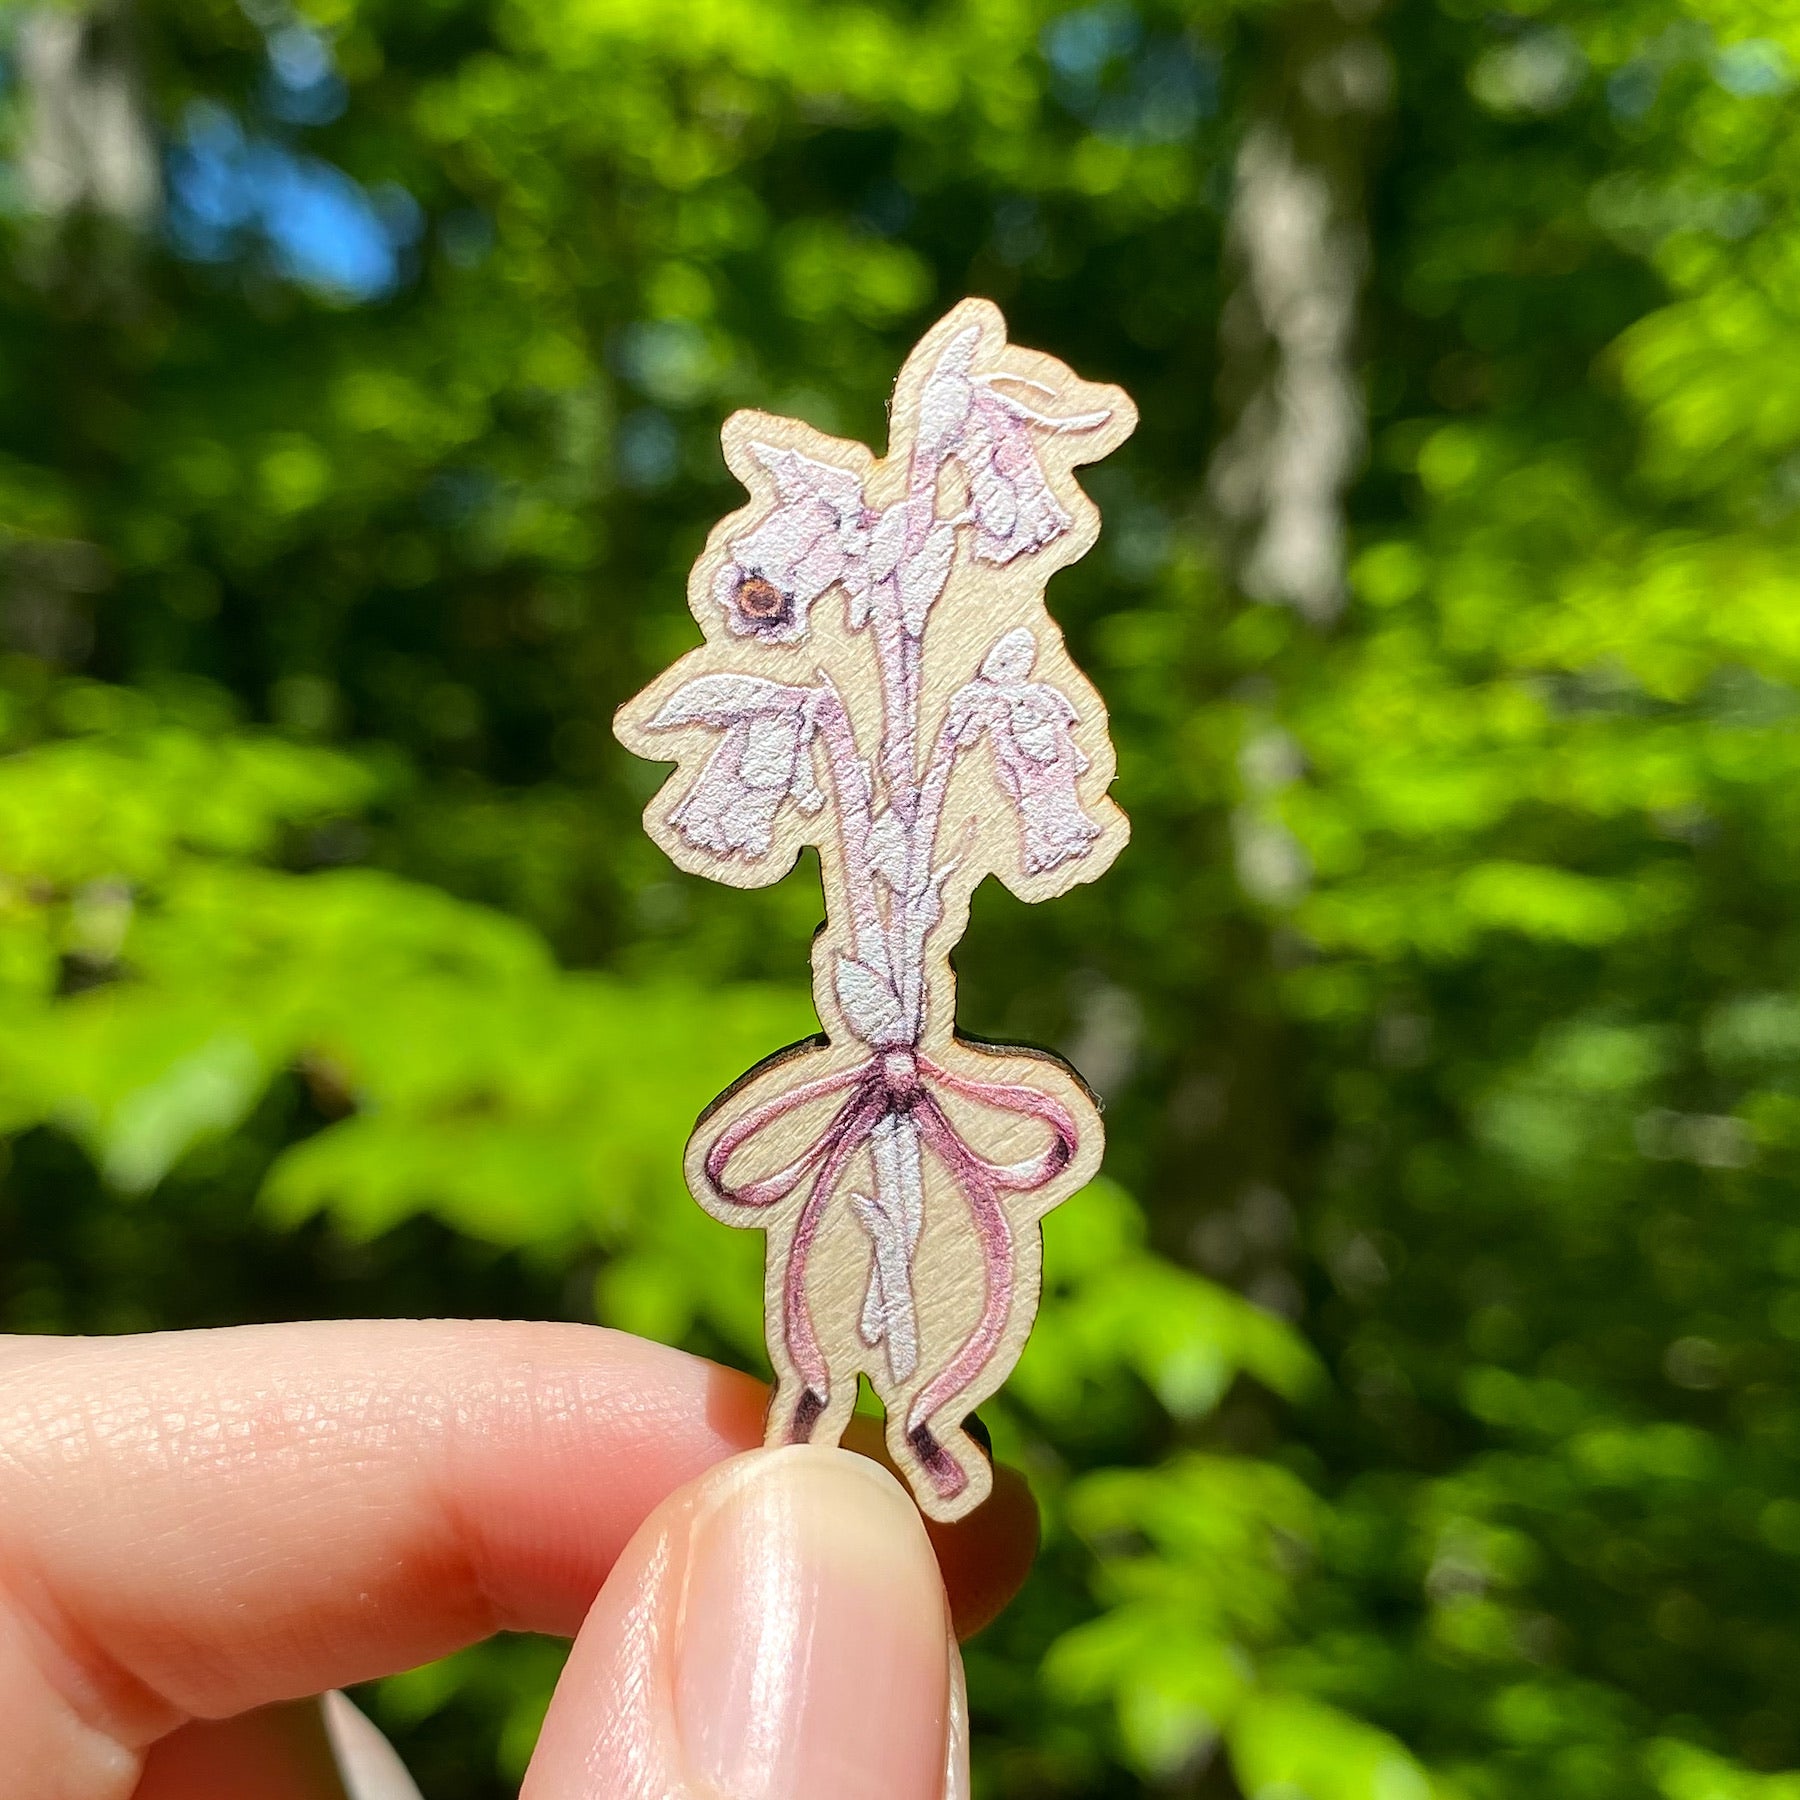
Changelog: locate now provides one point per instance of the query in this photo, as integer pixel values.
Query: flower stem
(850, 784)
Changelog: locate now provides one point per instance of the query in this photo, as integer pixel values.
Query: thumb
(777, 1630)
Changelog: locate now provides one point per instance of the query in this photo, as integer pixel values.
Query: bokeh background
(1414, 1406)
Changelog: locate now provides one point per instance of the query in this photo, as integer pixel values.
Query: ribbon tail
(998, 1265)
(796, 1313)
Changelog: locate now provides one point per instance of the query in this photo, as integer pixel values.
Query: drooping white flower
(1031, 726)
(764, 759)
(966, 416)
(1015, 511)
(817, 535)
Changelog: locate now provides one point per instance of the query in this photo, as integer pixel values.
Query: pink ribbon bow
(891, 1084)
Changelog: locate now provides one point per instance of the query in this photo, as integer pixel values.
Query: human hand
(203, 1527)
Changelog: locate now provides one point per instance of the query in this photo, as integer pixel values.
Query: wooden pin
(881, 678)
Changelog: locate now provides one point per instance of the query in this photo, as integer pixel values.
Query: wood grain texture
(880, 678)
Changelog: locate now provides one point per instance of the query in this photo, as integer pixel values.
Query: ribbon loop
(876, 1094)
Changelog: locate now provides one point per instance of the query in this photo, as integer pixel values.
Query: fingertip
(778, 1629)
(984, 1556)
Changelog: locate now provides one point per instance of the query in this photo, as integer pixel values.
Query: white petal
(1040, 721)
(1026, 415)
(804, 789)
(1011, 658)
(720, 812)
(799, 478)
(996, 504)
(769, 753)
(780, 543)
(724, 699)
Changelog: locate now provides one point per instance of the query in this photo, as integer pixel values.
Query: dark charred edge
(1034, 1052)
(806, 1416)
(939, 1463)
(787, 1053)
(979, 1432)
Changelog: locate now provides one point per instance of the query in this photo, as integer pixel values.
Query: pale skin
(202, 1532)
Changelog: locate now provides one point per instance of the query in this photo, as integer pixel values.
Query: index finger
(194, 1524)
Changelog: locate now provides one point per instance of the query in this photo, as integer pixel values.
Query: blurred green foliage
(1414, 1404)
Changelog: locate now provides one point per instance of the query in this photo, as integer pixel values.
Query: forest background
(1414, 1407)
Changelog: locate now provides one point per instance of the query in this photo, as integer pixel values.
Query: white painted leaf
(892, 1217)
(886, 541)
(923, 576)
(871, 1007)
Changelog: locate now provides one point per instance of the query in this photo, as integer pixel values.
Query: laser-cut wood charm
(880, 678)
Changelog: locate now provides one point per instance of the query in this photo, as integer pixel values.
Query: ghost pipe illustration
(881, 679)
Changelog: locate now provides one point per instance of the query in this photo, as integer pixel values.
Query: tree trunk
(88, 145)
(1299, 245)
